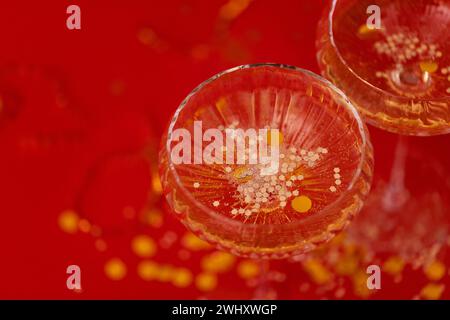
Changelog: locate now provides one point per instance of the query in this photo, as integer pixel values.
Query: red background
(81, 107)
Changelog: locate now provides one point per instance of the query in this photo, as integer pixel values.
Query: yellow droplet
(84, 226)
(248, 269)
(241, 173)
(194, 243)
(233, 8)
(347, 265)
(101, 245)
(218, 262)
(432, 291)
(154, 218)
(182, 277)
(115, 269)
(206, 281)
(165, 273)
(148, 270)
(435, 270)
(276, 135)
(68, 221)
(200, 52)
(143, 246)
(428, 66)
(147, 36)
(394, 265)
(156, 184)
(360, 284)
(301, 204)
(96, 231)
(221, 104)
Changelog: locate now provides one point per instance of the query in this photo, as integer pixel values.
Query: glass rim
(355, 74)
(348, 105)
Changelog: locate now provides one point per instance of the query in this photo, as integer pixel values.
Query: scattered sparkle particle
(216, 203)
(196, 185)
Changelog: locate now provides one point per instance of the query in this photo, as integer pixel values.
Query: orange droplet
(360, 284)
(301, 204)
(154, 218)
(68, 221)
(248, 269)
(428, 66)
(143, 246)
(365, 30)
(206, 281)
(200, 52)
(165, 273)
(432, 291)
(218, 262)
(276, 135)
(101, 245)
(394, 265)
(84, 226)
(147, 36)
(115, 269)
(221, 104)
(156, 184)
(182, 277)
(194, 243)
(435, 270)
(148, 270)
